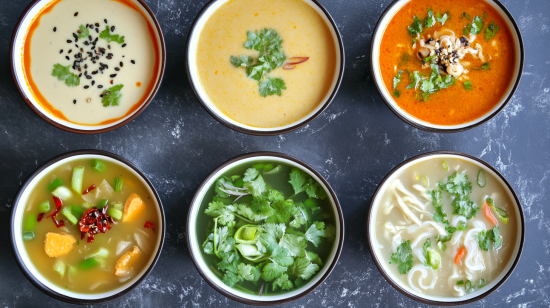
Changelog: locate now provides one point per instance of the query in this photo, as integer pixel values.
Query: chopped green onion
(115, 213)
(88, 263)
(30, 222)
(424, 181)
(66, 211)
(501, 213)
(444, 165)
(87, 205)
(78, 177)
(468, 85)
(54, 184)
(100, 253)
(118, 184)
(460, 282)
(442, 246)
(44, 206)
(60, 268)
(481, 283)
(62, 193)
(468, 285)
(101, 204)
(28, 235)
(258, 166)
(481, 179)
(117, 205)
(77, 211)
(97, 165)
(433, 258)
(274, 170)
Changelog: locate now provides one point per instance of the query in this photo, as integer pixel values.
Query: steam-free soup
(445, 227)
(91, 62)
(89, 226)
(447, 62)
(266, 63)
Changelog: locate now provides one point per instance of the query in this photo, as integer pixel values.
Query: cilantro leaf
(209, 248)
(430, 20)
(256, 187)
(298, 180)
(295, 244)
(231, 278)
(463, 206)
(403, 257)
(314, 258)
(488, 240)
(246, 271)
(442, 19)
(84, 32)
(485, 66)
(229, 262)
(314, 190)
(243, 61)
(415, 77)
(63, 73)
(106, 35)
(250, 174)
(458, 184)
(112, 96)
(281, 256)
(397, 79)
(396, 93)
(476, 26)
(491, 30)
(416, 27)
(270, 86)
(272, 271)
(283, 283)
(315, 233)
(283, 211)
(275, 230)
(303, 268)
(252, 215)
(465, 15)
(439, 215)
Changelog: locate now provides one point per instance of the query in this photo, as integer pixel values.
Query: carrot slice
(488, 213)
(459, 254)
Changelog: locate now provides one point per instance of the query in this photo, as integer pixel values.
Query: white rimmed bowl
(195, 245)
(193, 74)
(383, 265)
(376, 41)
(23, 260)
(16, 62)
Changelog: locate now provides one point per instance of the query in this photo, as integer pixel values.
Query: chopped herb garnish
(241, 61)
(468, 85)
(106, 35)
(444, 18)
(484, 15)
(430, 20)
(270, 86)
(433, 259)
(485, 66)
(415, 77)
(465, 15)
(489, 239)
(475, 27)
(460, 282)
(432, 84)
(111, 97)
(397, 79)
(64, 74)
(396, 93)
(403, 257)
(84, 33)
(491, 30)
(416, 28)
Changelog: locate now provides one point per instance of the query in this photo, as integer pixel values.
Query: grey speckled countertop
(354, 144)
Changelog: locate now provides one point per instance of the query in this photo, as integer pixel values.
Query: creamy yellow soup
(304, 34)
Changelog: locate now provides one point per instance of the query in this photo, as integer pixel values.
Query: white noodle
(474, 259)
(424, 274)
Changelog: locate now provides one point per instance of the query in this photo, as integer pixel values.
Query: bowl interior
(194, 36)
(19, 75)
(17, 226)
(195, 244)
(384, 264)
(386, 95)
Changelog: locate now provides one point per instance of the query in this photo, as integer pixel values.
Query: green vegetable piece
(77, 211)
(444, 165)
(118, 184)
(403, 257)
(267, 167)
(30, 222)
(102, 203)
(100, 253)
(72, 272)
(468, 286)
(115, 213)
(416, 27)
(430, 20)
(112, 96)
(63, 73)
(481, 178)
(84, 32)
(433, 258)
(258, 166)
(62, 193)
(476, 25)
(44, 206)
(66, 211)
(54, 184)
(87, 205)
(501, 213)
(28, 235)
(424, 181)
(78, 177)
(397, 79)
(491, 30)
(97, 165)
(88, 264)
(59, 267)
(106, 35)
(460, 282)
(247, 234)
(485, 66)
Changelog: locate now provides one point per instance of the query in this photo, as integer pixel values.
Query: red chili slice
(54, 212)
(57, 223)
(89, 189)
(148, 225)
(58, 202)
(288, 66)
(298, 60)
(40, 216)
(93, 222)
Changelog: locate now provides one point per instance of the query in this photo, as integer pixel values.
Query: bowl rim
(420, 299)
(338, 208)
(18, 83)
(16, 252)
(275, 132)
(414, 124)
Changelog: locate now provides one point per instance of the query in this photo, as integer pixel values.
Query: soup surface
(274, 238)
(304, 33)
(91, 62)
(441, 233)
(67, 257)
(479, 40)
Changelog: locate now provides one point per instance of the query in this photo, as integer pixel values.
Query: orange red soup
(455, 104)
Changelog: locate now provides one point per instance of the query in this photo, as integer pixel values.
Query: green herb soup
(266, 228)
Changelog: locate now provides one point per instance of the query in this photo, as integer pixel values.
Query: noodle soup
(445, 228)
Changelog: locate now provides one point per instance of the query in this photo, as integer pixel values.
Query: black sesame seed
(85, 73)
(124, 45)
(79, 75)
(88, 77)
(97, 31)
(121, 64)
(113, 29)
(133, 62)
(85, 65)
(100, 86)
(105, 20)
(91, 26)
(69, 41)
(112, 75)
(74, 35)
(75, 14)
(74, 101)
(67, 57)
(117, 69)
(97, 24)
(86, 87)
(94, 72)
(70, 50)
(54, 29)
(75, 40)
(93, 82)
(86, 43)
(76, 45)
(61, 51)
(109, 46)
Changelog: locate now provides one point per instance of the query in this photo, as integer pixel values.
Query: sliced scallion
(54, 184)
(468, 285)
(117, 205)
(118, 184)
(78, 177)
(460, 282)
(424, 181)
(100, 253)
(97, 165)
(444, 165)
(44, 206)
(268, 167)
(28, 235)
(30, 222)
(481, 179)
(468, 85)
(87, 205)
(501, 213)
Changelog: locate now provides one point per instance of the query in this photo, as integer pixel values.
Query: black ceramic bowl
(195, 244)
(193, 74)
(378, 33)
(383, 266)
(25, 263)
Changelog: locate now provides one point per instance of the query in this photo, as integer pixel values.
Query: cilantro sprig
(63, 73)
(403, 257)
(490, 239)
(106, 35)
(112, 96)
(83, 32)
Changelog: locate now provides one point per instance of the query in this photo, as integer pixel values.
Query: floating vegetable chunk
(58, 244)
(134, 205)
(124, 264)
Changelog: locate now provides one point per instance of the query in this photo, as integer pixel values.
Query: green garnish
(403, 257)
(416, 27)
(397, 79)
(433, 259)
(460, 282)
(468, 85)
(444, 165)
(469, 285)
(54, 184)
(475, 27)
(112, 96)
(491, 30)
(268, 43)
(489, 239)
(485, 66)
(481, 178)
(430, 20)
(501, 213)
(444, 18)
(396, 93)
(106, 35)
(459, 186)
(465, 15)
(63, 73)
(484, 15)
(84, 32)
(97, 165)
(416, 78)
(432, 84)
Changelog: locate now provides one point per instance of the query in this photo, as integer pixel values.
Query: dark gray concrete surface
(354, 144)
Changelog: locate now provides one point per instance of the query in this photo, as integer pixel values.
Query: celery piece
(78, 177)
(118, 184)
(66, 211)
(60, 268)
(116, 214)
(54, 184)
(44, 206)
(101, 204)
(30, 222)
(117, 205)
(97, 165)
(28, 235)
(87, 205)
(77, 211)
(62, 193)
(72, 273)
(100, 253)
(88, 263)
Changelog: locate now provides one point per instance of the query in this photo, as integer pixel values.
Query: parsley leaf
(63, 73)
(491, 30)
(416, 27)
(84, 32)
(489, 239)
(106, 35)
(430, 20)
(270, 86)
(403, 257)
(112, 96)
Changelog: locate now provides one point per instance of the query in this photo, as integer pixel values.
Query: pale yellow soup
(120, 239)
(304, 33)
(393, 227)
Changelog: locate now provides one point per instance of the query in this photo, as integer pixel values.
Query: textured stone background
(354, 144)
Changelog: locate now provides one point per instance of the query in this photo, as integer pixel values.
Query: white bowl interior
(195, 79)
(17, 63)
(377, 41)
(385, 265)
(18, 221)
(196, 246)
